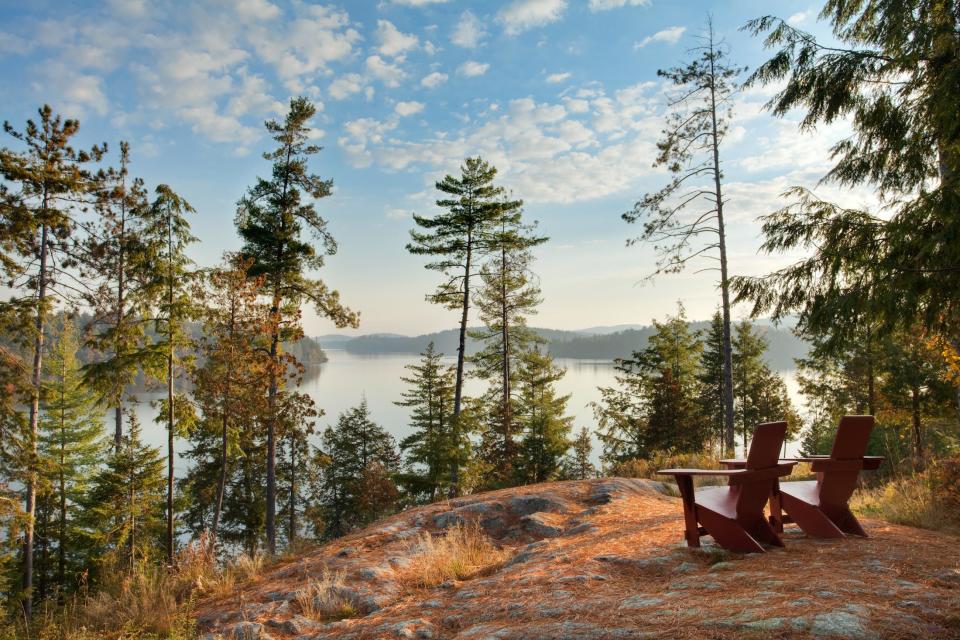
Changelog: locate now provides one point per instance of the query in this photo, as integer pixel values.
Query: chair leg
(844, 519)
(692, 530)
(776, 509)
(764, 531)
(809, 518)
(728, 533)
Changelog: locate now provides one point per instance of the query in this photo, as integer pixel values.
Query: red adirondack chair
(819, 507)
(733, 514)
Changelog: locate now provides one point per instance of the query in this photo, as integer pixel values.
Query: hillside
(601, 559)
(597, 343)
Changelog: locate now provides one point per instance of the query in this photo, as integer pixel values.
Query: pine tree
(508, 294)
(71, 448)
(577, 465)
(297, 419)
(116, 258)
(692, 204)
(229, 386)
(271, 219)
(711, 380)
(353, 447)
(167, 234)
(458, 238)
(428, 449)
(541, 413)
(44, 183)
(761, 394)
(889, 70)
(123, 513)
(655, 408)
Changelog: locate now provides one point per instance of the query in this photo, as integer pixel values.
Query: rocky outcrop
(604, 559)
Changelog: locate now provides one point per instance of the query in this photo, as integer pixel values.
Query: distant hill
(597, 343)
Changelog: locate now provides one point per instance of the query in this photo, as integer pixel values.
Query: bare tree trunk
(31, 496)
(724, 276)
(917, 429)
(505, 339)
(293, 491)
(121, 293)
(224, 424)
(271, 431)
(170, 405)
(62, 542)
(461, 352)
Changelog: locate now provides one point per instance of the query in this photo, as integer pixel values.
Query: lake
(347, 378)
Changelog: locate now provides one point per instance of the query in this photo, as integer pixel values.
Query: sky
(562, 96)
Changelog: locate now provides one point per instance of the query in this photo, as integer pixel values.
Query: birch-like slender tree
(685, 219)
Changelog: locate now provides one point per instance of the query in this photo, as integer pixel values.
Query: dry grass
(463, 552)
(912, 500)
(326, 598)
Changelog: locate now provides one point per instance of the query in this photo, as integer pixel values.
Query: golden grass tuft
(325, 598)
(912, 500)
(463, 552)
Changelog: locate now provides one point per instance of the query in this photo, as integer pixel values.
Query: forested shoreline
(100, 537)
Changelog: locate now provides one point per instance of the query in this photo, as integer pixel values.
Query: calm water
(347, 378)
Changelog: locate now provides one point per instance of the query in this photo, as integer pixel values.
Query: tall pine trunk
(271, 430)
(121, 292)
(170, 407)
(724, 275)
(505, 339)
(461, 352)
(62, 533)
(31, 495)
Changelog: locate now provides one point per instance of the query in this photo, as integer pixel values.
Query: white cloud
(388, 73)
(129, 8)
(256, 9)
(469, 31)
(522, 15)
(346, 85)
(605, 5)
(435, 79)
(12, 43)
(555, 78)
(472, 68)
(798, 18)
(392, 213)
(670, 35)
(404, 109)
(394, 42)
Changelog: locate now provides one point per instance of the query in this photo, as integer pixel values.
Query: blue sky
(561, 95)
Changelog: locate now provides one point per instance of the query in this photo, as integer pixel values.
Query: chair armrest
(734, 463)
(700, 472)
(872, 463)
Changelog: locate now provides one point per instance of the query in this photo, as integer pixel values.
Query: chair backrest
(764, 453)
(853, 433)
(766, 444)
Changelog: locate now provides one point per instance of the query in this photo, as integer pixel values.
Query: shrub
(327, 599)
(929, 500)
(463, 552)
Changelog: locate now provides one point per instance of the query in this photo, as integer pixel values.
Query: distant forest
(783, 346)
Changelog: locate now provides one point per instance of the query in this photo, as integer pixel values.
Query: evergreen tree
(353, 447)
(890, 71)
(429, 448)
(123, 513)
(229, 387)
(508, 294)
(117, 259)
(712, 382)
(458, 238)
(272, 219)
(577, 465)
(654, 407)
(167, 234)
(692, 204)
(71, 449)
(43, 184)
(297, 418)
(541, 412)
